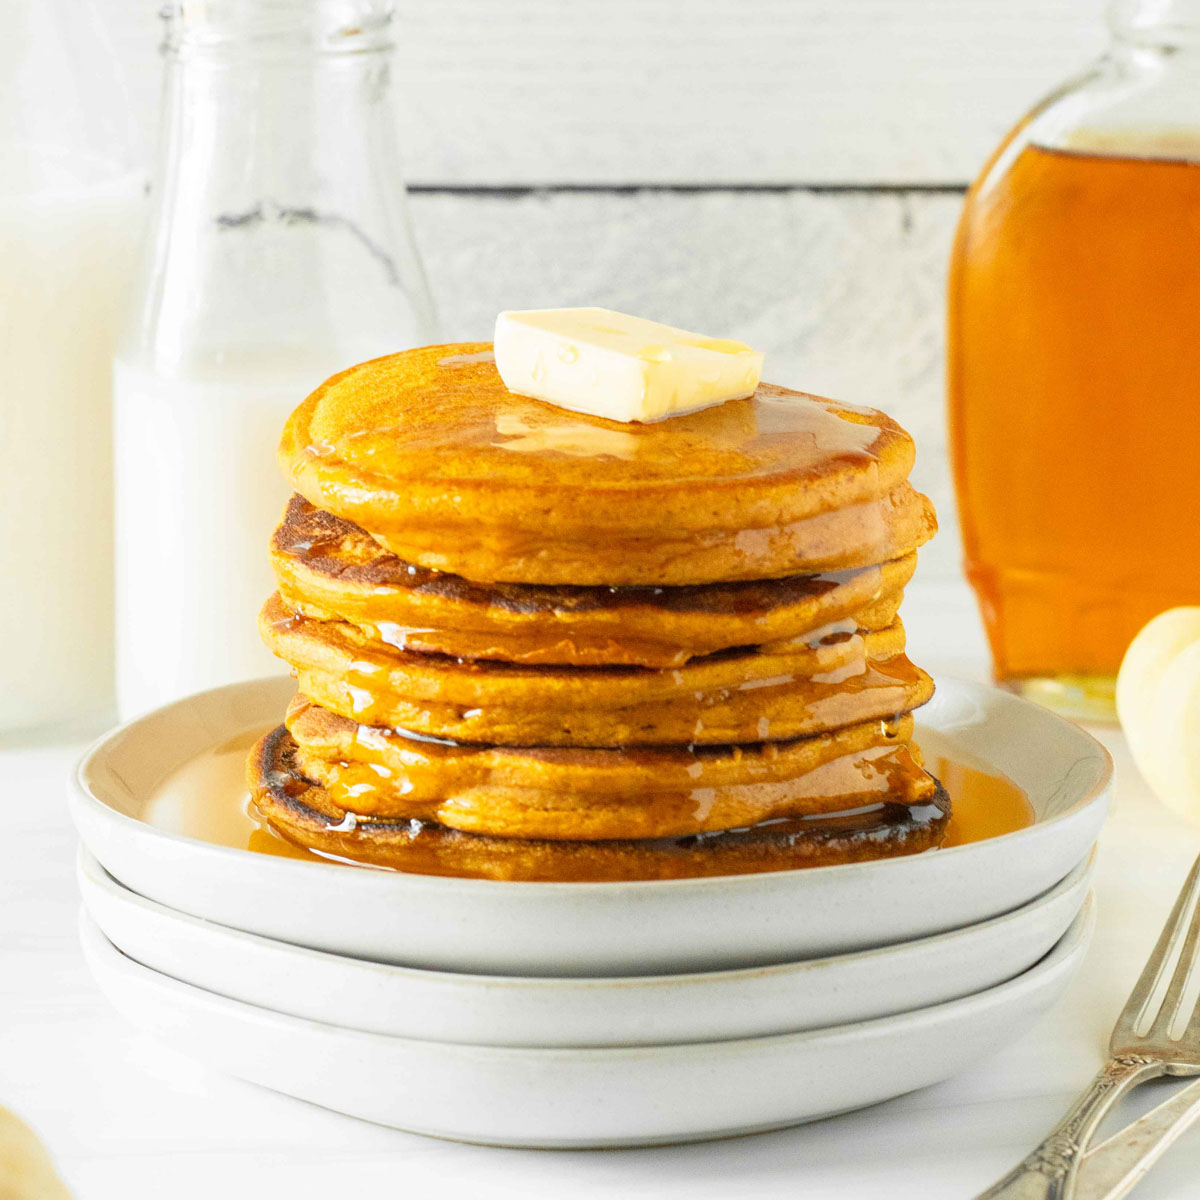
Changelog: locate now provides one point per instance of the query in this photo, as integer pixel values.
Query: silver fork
(1049, 1172)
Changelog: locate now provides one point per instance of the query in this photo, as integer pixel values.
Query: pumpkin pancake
(429, 452)
(330, 569)
(599, 794)
(747, 696)
(534, 644)
(304, 812)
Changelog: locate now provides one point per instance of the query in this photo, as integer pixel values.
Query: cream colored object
(26, 1171)
(64, 261)
(1158, 703)
(607, 364)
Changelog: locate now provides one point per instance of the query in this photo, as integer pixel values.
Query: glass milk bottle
(1074, 361)
(70, 204)
(280, 252)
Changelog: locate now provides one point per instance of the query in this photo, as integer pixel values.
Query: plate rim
(1079, 875)
(80, 793)
(1068, 949)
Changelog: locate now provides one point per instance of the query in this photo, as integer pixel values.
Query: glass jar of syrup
(1074, 364)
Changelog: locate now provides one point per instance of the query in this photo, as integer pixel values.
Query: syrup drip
(850, 782)
(745, 436)
(467, 360)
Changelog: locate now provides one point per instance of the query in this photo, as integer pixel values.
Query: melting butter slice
(607, 364)
(1158, 703)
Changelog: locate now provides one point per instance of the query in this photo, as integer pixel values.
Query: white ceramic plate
(642, 1010)
(493, 927)
(583, 1097)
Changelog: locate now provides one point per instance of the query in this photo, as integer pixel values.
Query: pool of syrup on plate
(207, 799)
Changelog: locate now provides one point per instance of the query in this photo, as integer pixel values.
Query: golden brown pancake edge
(329, 569)
(751, 697)
(602, 794)
(303, 813)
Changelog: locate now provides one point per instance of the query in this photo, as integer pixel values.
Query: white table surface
(127, 1118)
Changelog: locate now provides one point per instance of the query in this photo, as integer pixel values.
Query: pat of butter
(594, 360)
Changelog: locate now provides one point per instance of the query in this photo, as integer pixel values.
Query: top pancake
(431, 454)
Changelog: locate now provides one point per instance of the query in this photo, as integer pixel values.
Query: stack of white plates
(562, 1015)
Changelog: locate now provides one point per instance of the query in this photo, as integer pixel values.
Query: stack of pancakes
(538, 645)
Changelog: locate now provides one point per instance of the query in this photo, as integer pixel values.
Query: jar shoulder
(1132, 103)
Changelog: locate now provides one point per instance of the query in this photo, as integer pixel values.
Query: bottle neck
(264, 97)
(278, 218)
(1156, 24)
(233, 31)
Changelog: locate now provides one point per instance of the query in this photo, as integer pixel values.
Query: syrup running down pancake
(556, 792)
(539, 645)
(303, 812)
(744, 696)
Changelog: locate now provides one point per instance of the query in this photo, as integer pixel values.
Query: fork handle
(1048, 1173)
(1110, 1170)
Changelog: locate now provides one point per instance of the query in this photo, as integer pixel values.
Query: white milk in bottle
(198, 494)
(279, 254)
(66, 254)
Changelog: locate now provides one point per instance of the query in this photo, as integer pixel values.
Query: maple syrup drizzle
(207, 799)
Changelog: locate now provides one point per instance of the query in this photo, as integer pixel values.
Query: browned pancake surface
(602, 794)
(304, 813)
(744, 697)
(330, 569)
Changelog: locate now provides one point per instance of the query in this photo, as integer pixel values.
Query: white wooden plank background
(582, 92)
(813, 153)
